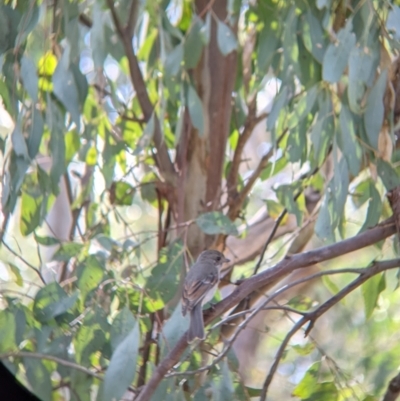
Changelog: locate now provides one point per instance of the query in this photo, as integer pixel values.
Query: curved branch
(254, 283)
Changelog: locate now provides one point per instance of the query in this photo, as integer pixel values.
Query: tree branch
(162, 157)
(311, 317)
(254, 283)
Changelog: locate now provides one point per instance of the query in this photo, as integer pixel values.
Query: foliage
(136, 116)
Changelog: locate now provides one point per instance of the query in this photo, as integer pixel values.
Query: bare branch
(256, 282)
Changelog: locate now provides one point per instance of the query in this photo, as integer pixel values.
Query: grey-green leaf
(226, 39)
(337, 54)
(122, 367)
(29, 77)
(64, 87)
(216, 223)
(373, 116)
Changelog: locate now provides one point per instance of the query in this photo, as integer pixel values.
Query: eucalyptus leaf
(122, 368)
(374, 111)
(337, 54)
(226, 39)
(213, 223)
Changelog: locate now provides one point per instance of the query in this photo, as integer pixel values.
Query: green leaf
(193, 44)
(122, 367)
(273, 168)
(348, 142)
(253, 392)
(122, 193)
(226, 39)
(122, 325)
(164, 279)
(195, 110)
(305, 349)
(147, 135)
(90, 337)
(267, 43)
(308, 383)
(52, 301)
(19, 143)
(285, 195)
(374, 207)
(39, 378)
(47, 241)
(30, 79)
(173, 61)
(35, 133)
(31, 212)
(371, 290)
(65, 87)
(7, 331)
(337, 54)
(323, 226)
(173, 330)
(17, 274)
(330, 285)
(280, 101)
(374, 111)
(213, 223)
(97, 36)
(313, 36)
(362, 67)
(223, 389)
(67, 251)
(387, 174)
(90, 272)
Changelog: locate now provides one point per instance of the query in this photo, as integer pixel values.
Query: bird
(199, 287)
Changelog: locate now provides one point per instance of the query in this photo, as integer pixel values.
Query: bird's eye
(218, 258)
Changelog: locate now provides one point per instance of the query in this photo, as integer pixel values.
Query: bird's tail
(196, 328)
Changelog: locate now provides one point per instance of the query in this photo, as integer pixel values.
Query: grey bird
(200, 285)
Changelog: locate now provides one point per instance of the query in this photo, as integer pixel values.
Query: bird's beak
(226, 260)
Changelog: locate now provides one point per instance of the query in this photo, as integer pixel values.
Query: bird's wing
(195, 292)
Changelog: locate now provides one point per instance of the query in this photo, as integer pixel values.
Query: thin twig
(35, 269)
(63, 362)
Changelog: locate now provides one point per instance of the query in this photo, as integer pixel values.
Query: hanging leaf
(226, 39)
(362, 66)
(173, 61)
(29, 77)
(371, 290)
(193, 44)
(337, 54)
(122, 367)
(164, 279)
(65, 87)
(374, 111)
(213, 223)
